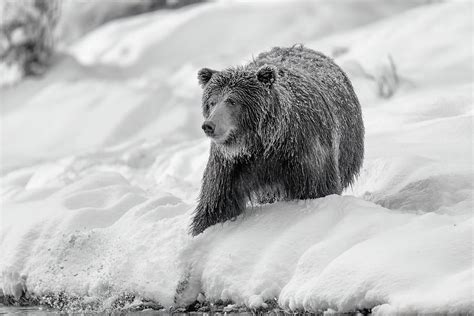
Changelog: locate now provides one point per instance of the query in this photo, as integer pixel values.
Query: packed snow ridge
(102, 160)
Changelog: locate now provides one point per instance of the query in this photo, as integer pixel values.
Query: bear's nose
(208, 127)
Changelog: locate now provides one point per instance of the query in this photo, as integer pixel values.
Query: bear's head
(235, 103)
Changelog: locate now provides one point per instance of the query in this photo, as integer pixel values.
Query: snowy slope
(147, 66)
(102, 159)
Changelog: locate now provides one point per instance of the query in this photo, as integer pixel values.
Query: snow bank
(99, 185)
(101, 236)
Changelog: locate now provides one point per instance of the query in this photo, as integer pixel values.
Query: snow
(102, 160)
(11, 74)
(115, 49)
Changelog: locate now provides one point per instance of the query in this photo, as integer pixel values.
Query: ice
(102, 162)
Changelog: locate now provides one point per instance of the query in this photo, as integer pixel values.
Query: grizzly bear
(285, 126)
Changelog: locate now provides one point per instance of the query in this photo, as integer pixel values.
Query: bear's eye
(231, 102)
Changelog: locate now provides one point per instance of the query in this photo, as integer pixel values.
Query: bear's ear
(267, 74)
(204, 75)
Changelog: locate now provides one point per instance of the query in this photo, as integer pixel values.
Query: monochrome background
(102, 157)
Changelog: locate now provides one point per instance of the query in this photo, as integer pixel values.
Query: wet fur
(300, 134)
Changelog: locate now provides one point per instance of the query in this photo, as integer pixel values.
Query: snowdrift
(102, 160)
(101, 236)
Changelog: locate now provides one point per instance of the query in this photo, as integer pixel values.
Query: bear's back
(302, 60)
(314, 68)
(336, 106)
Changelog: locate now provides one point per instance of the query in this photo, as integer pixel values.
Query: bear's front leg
(221, 198)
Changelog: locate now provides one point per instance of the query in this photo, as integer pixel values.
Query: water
(24, 310)
(41, 311)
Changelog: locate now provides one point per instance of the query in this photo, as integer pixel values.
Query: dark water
(38, 310)
(27, 310)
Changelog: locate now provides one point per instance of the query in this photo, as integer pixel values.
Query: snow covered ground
(101, 162)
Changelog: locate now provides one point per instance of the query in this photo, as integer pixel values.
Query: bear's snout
(208, 128)
(219, 123)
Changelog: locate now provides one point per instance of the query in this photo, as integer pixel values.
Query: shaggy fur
(299, 133)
